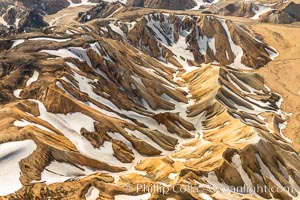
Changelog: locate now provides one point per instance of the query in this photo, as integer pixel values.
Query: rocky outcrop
(48, 7)
(135, 3)
(203, 38)
(164, 4)
(285, 14)
(32, 20)
(238, 9)
(44, 6)
(15, 19)
(102, 10)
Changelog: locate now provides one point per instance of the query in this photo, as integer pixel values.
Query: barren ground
(283, 74)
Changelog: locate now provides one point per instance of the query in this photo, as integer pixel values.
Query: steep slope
(102, 10)
(15, 19)
(52, 6)
(19, 16)
(48, 7)
(170, 4)
(239, 9)
(278, 12)
(286, 13)
(165, 99)
(191, 41)
(167, 4)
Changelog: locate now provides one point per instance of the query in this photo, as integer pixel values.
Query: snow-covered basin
(11, 153)
(57, 172)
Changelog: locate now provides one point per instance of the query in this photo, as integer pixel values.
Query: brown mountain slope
(165, 4)
(286, 13)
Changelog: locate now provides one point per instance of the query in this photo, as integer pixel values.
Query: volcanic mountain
(280, 12)
(286, 13)
(168, 4)
(120, 98)
(14, 19)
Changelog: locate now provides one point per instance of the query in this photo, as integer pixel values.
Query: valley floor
(283, 74)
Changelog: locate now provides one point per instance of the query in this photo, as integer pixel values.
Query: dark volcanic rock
(45, 6)
(239, 9)
(32, 20)
(164, 4)
(287, 13)
(49, 6)
(102, 10)
(135, 3)
(16, 19)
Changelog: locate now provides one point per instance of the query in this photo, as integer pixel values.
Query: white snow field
(11, 153)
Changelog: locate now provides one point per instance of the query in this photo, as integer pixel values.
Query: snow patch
(92, 193)
(57, 172)
(203, 3)
(236, 49)
(11, 153)
(24, 123)
(259, 10)
(17, 93)
(50, 39)
(32, 79)
(17, 42)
